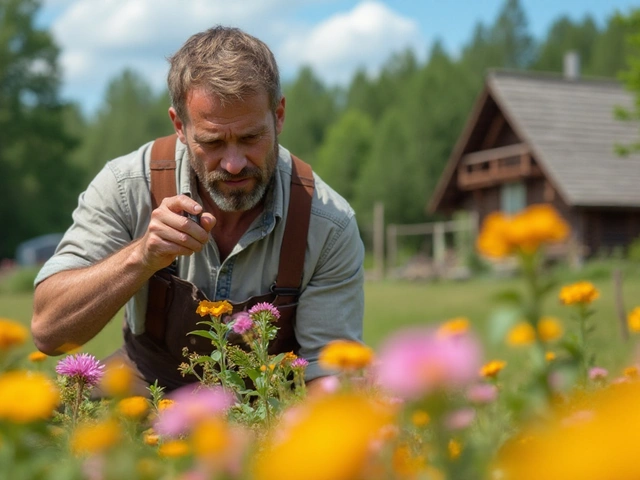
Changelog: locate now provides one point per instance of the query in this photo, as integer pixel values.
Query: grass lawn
(391, 305)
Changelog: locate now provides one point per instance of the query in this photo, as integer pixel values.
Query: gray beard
(236, 201)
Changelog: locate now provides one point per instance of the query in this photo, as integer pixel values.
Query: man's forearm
(73, 306)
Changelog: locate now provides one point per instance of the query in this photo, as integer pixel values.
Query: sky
(99, 38)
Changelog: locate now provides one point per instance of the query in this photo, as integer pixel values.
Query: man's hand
(171, 233)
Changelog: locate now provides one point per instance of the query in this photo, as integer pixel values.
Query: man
(231, 174)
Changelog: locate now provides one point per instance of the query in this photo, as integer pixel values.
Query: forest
(384, 138)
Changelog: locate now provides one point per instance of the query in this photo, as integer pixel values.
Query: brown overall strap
(293, 249)
(163, 169)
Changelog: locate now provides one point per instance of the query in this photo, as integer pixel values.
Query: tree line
(384, 138)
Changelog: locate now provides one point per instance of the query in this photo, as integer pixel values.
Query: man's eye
(251, 138)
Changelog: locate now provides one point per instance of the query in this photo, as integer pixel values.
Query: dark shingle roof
(571, 128)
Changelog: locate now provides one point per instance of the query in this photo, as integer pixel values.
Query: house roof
(570, 127)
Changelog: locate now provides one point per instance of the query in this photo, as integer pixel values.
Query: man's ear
(178, 125)
(280, 115)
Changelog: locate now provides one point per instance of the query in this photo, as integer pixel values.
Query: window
(513, 197)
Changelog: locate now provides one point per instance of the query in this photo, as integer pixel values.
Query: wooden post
(378, 240)
(439, 246)
(392, 247)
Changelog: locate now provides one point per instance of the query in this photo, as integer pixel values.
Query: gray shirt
(116, 209)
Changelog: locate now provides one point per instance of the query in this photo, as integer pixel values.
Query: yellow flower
(492, 368)
(133, 407)
(165, 403)
(289, 357)
(407, 464)
(602, 445)
(579, 293)
(174, 449)
(94, 438)
(117, 380)
(502, 235)
(37, 357)
(27, 396)
(453, 327)
(345, 355)
(633, 320)
(210, 437)
(150, 437)
(549, 356)
(521, 334)
(12, 334)
(455, 449)
(631, 372)
(549, 329)
(214, 309)
(330, 440)
(420, 418)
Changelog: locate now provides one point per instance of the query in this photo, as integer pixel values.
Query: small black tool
(191, 216)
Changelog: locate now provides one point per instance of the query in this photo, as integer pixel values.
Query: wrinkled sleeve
(332, 304)
(101, 226)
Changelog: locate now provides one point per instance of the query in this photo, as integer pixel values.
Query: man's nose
(234, 160)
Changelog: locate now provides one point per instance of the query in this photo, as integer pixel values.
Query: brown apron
(171, 308)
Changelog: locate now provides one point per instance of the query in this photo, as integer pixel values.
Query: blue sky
(98, 38)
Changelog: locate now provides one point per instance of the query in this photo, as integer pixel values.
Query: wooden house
(534, 138)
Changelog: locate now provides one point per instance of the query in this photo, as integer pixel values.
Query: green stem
(77, 401)
(583, 343)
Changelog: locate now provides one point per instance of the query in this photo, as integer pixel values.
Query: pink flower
(598, 373)
(242, 323)
(81, 367)
(264, 307)
(417, 362)
(191, 406)
(460, 419)
(482, 393)
(299, 363)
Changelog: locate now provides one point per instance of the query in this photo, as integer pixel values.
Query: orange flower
(633, 320)
(579, 293)
(37, 357)
(117, 380)
(521, 334)
(174, 449)
(133, 407)
(96, 438)
(549, 329)
(345, 355)
(502, 235)
(455, 326)
(492, 368)
(12, 334)
(214, 309)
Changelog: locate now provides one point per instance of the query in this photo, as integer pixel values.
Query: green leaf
(204, 333)
(216, 356)
(253, 373)
(234, 379)
(509, 296)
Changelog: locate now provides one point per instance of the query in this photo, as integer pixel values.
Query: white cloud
(364, 37)
(98, 39)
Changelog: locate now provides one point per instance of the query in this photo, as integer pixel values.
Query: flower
(214, 309)
(133, 407)
(414, 362)
(492, 368)
(345, 355)
(37, 357)
(174, 449)
(265, 307)
(460, 419)
(598, 373)
(165, 404)
(455, 449)
(220, 445)
(90, 438)
(549, 356)
(482, 393)
(631, 372)
(299, 363)
(12, 334)
(329, 439)
(150, 437)
(117, 380)
(27, 396)
(420, 418)
(502, 235)
(549, 329)
(191, 407)
(242, 323)
(633, 320)
(455, 326)
(521, 334)
(601, 444)
(82, 367)
(579, 293)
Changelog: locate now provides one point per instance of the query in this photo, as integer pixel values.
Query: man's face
(232, 148)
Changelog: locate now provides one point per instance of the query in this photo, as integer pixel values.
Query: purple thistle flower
(242, 323)
(264, 307)
(299, 363)
(81, 366)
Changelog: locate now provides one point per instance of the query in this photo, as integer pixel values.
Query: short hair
(228, 63)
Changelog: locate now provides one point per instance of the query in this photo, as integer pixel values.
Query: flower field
(543, 387)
